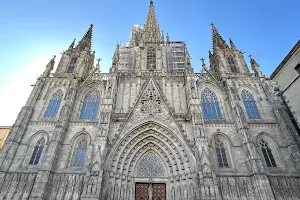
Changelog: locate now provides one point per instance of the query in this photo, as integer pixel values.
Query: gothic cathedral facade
(152, 128)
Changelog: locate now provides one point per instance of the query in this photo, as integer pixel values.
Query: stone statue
(49, 67)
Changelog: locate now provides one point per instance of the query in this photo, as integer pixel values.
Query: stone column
(42, 183)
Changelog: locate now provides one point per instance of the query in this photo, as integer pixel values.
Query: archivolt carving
(150, 137)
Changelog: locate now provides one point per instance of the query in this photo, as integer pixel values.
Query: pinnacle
(86, 41)
(218, 41)
(232, 44)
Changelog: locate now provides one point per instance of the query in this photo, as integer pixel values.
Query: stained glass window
(267, 153)
(72, 65)
(221, 153)
(38, 149)
(54, 104)
(210, 105)
(80, 153)
(90, 105)
(250, 105)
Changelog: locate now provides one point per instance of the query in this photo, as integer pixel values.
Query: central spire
(151, 28)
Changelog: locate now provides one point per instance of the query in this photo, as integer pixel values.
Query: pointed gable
(150, 106)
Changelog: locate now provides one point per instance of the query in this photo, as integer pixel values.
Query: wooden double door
(150, 191)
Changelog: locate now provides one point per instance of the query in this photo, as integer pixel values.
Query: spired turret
(78, 60)
(226, 60)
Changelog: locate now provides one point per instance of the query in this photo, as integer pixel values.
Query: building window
(72, 64)
(54, 104)
(210, 105)
(221, 154)
(151, 58)
(38, 149)
(80, 151)
(231, 64)
(250, 105)
(297, 68)
(90, 105)
(267, 153)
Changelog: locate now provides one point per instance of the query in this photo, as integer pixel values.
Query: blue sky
(33, 31)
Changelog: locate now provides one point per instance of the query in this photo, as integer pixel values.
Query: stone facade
(219, 134)
(290, 87)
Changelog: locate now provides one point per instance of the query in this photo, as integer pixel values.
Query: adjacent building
(287, 76)
(4, 131)
(152, 128)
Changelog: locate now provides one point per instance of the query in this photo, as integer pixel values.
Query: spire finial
(203, 63)
(72, 44)
(151, 2)
(49, 66)
(218, 41)
(98, 62)
(232, 44)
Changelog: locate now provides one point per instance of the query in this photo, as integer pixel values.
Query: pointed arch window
(54, 104)
(232, 65)
(38, 149)
(267, 153)
(90, 105)
(250, 105)
(80, 151)
(72, 64)
(151, 58)
(210, 105)
(221, 153)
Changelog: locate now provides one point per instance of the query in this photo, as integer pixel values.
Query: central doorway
(150, 191)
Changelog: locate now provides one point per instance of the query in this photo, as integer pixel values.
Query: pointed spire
(255, 67)
(49, 67)
(86, 42)
(218, 41)
(232, 44)
(151, 28)
(72, 44)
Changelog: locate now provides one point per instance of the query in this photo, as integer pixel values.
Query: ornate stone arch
(98, 86)
(220, 95)
(33, 140)
(221, 138)
(264, 139)
(256, 97)
(47, 99)
(75, 141)
(150, 136)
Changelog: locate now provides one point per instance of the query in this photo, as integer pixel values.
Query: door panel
(158, 191)
(141, 191)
